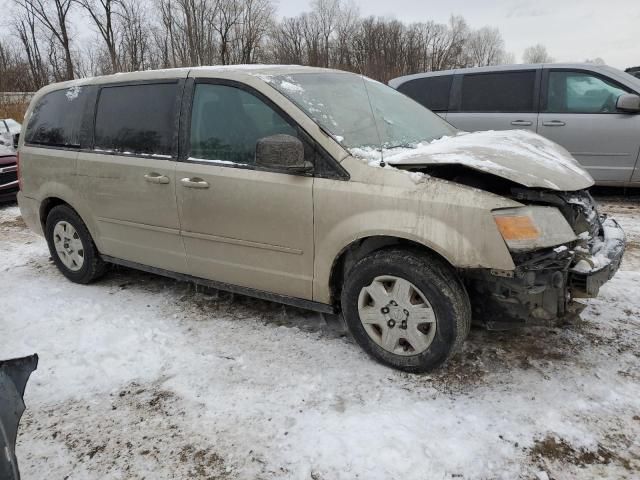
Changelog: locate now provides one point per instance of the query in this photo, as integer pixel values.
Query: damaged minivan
(315, 188)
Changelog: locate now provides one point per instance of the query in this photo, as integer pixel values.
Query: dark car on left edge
(8, 174)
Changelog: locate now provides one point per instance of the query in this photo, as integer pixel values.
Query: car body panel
(249, 227)
(607, 145)
(150, 232)
(478, 121)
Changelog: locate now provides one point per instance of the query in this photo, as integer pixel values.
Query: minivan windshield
(361, 113)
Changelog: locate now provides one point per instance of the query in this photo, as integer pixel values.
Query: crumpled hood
(521, 156)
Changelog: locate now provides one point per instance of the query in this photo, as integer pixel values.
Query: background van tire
(72, 247)
(438, 309)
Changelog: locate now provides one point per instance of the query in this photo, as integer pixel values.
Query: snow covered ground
(145, 377)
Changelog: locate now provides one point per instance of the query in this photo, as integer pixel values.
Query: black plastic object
(13, 379)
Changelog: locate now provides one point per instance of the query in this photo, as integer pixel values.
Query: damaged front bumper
(600, 263)
(544, 283)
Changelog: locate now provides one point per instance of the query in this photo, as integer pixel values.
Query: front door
(130, 174)
(241, 225)
(579, 112)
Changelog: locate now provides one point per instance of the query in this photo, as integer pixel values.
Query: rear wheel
(406, 309)
(71, 246)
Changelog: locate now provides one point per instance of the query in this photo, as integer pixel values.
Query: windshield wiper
(402, 145)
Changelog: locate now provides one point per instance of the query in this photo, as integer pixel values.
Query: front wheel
(406, 309)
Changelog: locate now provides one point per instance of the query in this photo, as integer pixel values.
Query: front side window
(499, 92)
(580, 92)
(432, 92)
(137, 119)
(227, 122)
(56, 119)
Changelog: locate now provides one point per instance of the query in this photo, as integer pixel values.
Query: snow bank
(274, 400)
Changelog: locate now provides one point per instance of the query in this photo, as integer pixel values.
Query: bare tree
(287, 41)
(325, 13)
(257, 18)
(25, 27)
(54, 15)
(135, 46)
(15, 72)
(536, 54)
(103, 13)
(228, 17)
(143, 34)
(485, 47)
(347, 24)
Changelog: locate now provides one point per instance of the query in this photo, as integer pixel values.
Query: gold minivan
(316, 188)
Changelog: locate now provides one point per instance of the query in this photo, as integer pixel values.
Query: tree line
(42, 43)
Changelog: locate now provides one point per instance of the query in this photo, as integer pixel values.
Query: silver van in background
(591, 110)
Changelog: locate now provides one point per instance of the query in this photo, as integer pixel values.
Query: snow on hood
(521, 156)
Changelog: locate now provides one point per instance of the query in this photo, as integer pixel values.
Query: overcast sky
(572, 30)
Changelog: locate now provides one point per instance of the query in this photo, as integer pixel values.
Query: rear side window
(432, 92)
(136, 119)
(499, 92)
(56, 118)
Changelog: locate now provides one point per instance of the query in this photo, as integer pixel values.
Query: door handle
(156, 178)
(194, 183)
(522, 123)
(554, 123)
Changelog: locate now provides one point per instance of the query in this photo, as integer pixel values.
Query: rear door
(579, 112)
(128, 173)
(433, 92)
(495, 100)
(242, 225)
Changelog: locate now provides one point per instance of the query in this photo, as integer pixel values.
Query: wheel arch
(364, 246)
(52, 201)
(47, 205)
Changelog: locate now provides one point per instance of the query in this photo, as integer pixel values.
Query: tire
(80, 262)
(436, 306)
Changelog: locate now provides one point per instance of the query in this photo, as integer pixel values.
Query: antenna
(375, 122)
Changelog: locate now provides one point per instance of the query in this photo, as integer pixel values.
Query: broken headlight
(533, 227)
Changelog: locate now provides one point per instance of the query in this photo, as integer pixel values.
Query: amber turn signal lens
(517, 228)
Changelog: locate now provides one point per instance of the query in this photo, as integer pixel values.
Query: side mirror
(628, 102)
(282, 152)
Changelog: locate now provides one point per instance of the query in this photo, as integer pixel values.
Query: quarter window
(137, 119)
(499, 92)
(578, 92)
(432, 92)
(55, 120)
(227, 122)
